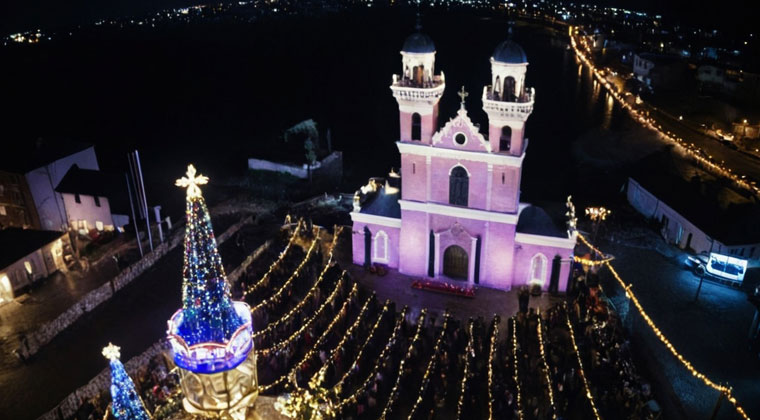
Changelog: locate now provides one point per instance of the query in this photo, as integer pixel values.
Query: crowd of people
(388, 362)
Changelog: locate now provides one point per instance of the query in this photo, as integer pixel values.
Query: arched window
(509, 88)
(497, 87)
(416, 127)
(538, 268)
(381, 247)
(458, 186)
(505, 141)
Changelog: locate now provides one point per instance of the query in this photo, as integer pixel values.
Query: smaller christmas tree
(126, 404)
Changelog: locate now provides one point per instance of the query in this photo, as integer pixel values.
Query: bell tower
(507, 101)
(418, 89)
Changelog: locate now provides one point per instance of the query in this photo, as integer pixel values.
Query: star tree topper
(191, 181)
(111, 352)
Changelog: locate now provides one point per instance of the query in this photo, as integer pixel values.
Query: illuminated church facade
(453, 213)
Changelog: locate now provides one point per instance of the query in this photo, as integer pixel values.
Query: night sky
(20, 15)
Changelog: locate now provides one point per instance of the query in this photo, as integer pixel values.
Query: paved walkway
(397, 287)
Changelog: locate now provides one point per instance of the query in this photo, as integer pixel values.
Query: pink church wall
(474, 140)
(524, 253)
(477, 187)
(427, 121)
(413, 177)
(497, 252)
(516, 142)
(414, 243)
(505, 189)
(357, 245)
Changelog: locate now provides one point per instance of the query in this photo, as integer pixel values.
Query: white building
(687, 227)
(29, 255)
(44, 163)
(84, 194)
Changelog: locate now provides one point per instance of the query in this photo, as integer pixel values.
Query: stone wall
(101, 383)
(32, 342)
(330, 165)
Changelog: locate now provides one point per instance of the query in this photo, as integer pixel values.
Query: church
(453, 211)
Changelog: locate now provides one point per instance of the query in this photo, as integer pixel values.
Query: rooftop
(701, 200)
(96, 183)
(17, 243)
(536, 221)
(25, 155)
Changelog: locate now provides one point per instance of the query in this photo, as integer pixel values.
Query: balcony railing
(514, 109)
(405, 89)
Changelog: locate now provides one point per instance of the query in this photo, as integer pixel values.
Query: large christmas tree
(207, 312)
(125, 403)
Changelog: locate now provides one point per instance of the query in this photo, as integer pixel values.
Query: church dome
(418, 43)
(510, 52)
(536, 221)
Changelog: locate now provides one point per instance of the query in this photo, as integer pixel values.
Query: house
(85, 193)
(659, 70)
(28, 255)
(690, 218)
(16, 203)
(43, 163)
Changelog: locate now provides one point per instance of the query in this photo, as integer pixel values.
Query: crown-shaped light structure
(209, 322)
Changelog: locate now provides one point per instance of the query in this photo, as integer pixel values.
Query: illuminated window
(381, 247)
(538, 266)
(28, 266)
(2, 211)
(6, 291)
(99, 225)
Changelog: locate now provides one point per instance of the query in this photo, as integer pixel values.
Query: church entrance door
(455, 263)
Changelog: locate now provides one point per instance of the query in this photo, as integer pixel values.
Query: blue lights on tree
(207, 311)
(126, 404)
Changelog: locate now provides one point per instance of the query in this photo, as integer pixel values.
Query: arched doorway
(509, 88)
(416, 127)
(455, 263)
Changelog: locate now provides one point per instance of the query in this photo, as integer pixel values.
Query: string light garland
(491, 353)
(516, 376)
(545, 367)
(469, 349)
(381, 359)
(581, 373)
(312, 352)
(289, 281)
(312, 291)
(725, 390)
(281, 344)
(590, 262)
(263, 280)
(360, 352)
(430, 366)
(334, 352)
(699, 155)
(394, 391)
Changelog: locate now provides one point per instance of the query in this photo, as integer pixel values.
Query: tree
(207, 311)
(126, 404)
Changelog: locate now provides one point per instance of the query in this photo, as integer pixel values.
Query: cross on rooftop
(463, 94)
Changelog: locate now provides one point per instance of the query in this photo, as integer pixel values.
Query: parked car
(723, 267)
